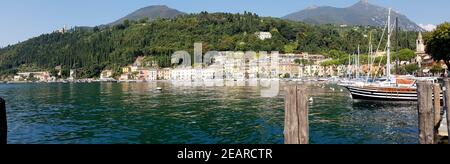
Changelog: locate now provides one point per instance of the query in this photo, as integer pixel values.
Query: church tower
(420, 46)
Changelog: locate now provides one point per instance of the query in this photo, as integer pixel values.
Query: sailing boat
(390, 88)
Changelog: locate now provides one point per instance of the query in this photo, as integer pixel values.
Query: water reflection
(139, 113)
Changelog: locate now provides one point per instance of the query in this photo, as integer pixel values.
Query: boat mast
(357, 65)
(388, 65)
(369, 57)
(349, 72)
(397, 46)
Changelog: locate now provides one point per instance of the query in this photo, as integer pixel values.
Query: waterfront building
(182, 74)
(73, 74)
(341, 70)
(197, 73)
(18, 78)
(290, 69)
(234, 66)
(321, 70)
(106, 74)
(252, 70)
(330, 70)
(125, 77)
(152, 74)
(126, 69)
(264, 67)
(164, 74)
(39, 76)
(142, 75)
(316, 58)
(290, 58)
(59, 69)
(134, 68)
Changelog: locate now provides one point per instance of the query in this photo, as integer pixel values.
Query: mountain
(361, 13)
(152, 13)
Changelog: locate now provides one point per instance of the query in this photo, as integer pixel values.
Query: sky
(24, 19)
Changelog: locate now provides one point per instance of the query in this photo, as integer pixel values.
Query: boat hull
(384, 94)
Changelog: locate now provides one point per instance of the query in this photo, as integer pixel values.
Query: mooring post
(437, 105)
(3, 123)
(425, 109)
(296, 126)
(447, 102)
(437, 110)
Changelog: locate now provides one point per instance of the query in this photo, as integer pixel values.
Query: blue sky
(22, 19)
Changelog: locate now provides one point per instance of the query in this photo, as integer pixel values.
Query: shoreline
(171, 81)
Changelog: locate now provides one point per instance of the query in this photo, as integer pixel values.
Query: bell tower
(420, 46)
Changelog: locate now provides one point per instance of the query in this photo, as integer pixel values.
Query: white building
(314, 70)
(73, 74)
(164, 74)
(134, 68)
(264, 35)
(106, 74)
(40, 76)
(182, 74)
(234, 66)
(153, 75)
(330, 71)
(341, 70)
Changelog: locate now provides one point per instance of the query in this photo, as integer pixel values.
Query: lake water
(138, 113)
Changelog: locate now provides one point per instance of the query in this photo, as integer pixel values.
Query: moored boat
(389, 88)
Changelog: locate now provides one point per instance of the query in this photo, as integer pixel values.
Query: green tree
(404, 55)
(437, 68)
(411, 68)
(126, 23)
(438, 43)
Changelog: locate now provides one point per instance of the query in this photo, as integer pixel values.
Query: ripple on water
(134, 113)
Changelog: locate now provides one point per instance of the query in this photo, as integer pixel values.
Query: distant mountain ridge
(361, 13)
(152, 13)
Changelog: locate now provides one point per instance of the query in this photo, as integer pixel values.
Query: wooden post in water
(3, 123)
(437, 105)
(296, 126)
(426, 117)
(447, 104)
(437, 110)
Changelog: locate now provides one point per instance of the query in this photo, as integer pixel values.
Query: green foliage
(65, 72)
(404, 55)
(438, 43)
(411, 68)
(331, 63)
(88, 50)
(303, 62)
(437, 68)
(290, 48)
(336, 54)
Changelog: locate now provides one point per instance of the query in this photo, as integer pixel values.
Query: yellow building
(126, 70)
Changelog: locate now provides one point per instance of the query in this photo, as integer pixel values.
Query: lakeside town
(238, 66)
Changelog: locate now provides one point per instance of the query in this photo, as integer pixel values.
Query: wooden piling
(3, 123)
(437, 111)
(425, 110)
(447, 102)
(437, 105)
(296, 125)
